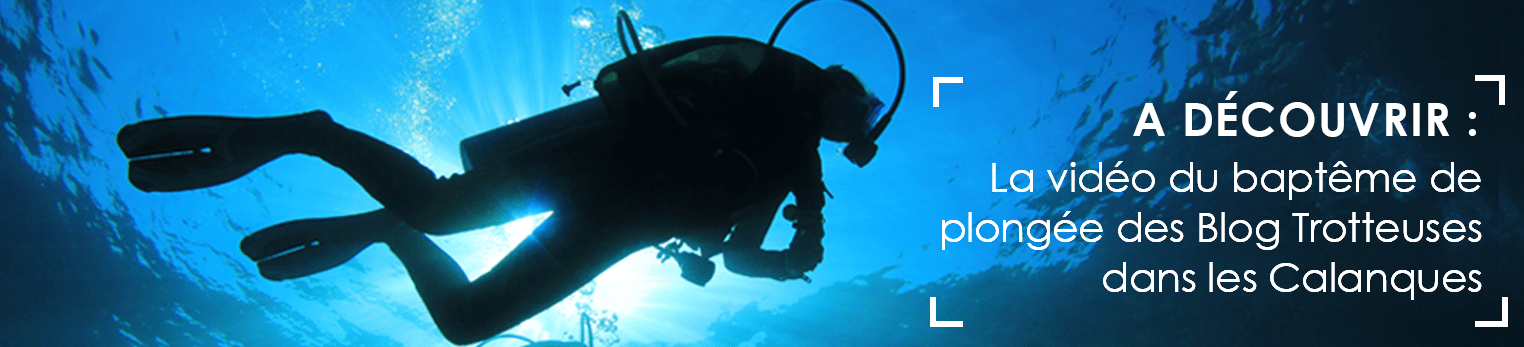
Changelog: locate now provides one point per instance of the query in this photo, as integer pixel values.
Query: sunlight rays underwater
(423, 75)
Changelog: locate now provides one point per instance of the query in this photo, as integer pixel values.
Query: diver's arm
(743, 251)
(805, 251)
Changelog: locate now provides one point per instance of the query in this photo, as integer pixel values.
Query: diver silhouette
(699, 140)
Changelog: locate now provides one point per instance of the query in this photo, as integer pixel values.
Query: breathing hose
(899, 53)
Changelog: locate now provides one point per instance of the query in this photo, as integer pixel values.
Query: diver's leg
(407, 188)
(562, 255)
(191, 152)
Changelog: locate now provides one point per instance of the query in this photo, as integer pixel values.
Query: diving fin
(184, 153)
(300, 248)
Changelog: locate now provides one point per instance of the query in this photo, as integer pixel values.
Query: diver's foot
(190, 152)
(304, 247)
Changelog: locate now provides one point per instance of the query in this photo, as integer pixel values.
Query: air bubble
(652, 36)
(583, 18)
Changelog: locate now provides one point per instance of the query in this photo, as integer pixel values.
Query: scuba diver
(699, 140)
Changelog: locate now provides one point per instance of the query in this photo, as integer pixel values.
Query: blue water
(91, 261)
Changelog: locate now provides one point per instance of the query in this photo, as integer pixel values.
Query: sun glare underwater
(92, 261)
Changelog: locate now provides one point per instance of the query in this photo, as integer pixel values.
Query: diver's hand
(799, 261)
(805, 252)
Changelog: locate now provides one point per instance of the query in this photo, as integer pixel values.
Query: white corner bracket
(1480, 324)
(1502, 84)
(959, 324)
(936, 88)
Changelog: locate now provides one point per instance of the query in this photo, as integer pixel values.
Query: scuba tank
(626, 94)
(542, 133)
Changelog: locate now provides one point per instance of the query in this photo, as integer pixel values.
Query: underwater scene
(1023, 96)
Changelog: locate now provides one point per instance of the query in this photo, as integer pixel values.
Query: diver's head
(849, 110)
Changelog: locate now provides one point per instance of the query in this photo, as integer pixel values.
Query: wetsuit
(750, 139)
(741, 133)
(752, 111)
